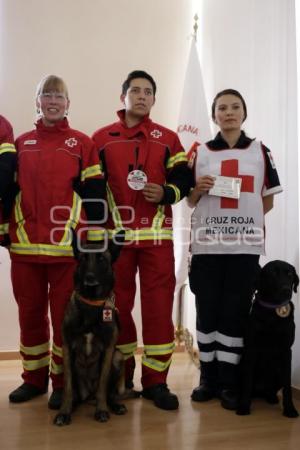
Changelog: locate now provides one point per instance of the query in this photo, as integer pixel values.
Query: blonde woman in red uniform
(58, 167)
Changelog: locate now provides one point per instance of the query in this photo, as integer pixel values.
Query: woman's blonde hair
(52, 83)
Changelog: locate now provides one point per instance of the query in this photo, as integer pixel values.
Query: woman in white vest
(235, 181)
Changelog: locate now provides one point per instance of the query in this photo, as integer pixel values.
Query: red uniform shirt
(156, 151)
(54, 165)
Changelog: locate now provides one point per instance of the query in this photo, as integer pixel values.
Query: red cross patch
(156, 134)
(107, 315)
(230, 168)
(71, 142)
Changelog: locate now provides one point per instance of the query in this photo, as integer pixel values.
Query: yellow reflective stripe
(56, 369)
(3, 228)
(57, 350)
(143, 234)
(155, 364)
(177, 192)
(21, 233)
(127, 348)
(164, 349)
(42, 249)
(179, 157)
(73, 219)
(36, 364)
(7, 148)
(159, 217)
(116, 216)
(91, 171)
(35, 349)
(96, 235)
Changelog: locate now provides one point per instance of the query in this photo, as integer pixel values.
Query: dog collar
(282, 310)
(109, 301)
(272, 305)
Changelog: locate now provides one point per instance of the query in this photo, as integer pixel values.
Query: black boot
(207, 388)
(229, 399)
(161, 396)
(26, 392)
(203, 393)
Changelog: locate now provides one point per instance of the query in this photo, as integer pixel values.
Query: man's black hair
(138, 74)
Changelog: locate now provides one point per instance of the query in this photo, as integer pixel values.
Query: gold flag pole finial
(195, 27)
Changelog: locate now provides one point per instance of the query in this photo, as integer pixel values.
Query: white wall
(93, 45)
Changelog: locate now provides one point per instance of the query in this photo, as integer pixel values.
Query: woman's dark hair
(138, 74)
(228, 92)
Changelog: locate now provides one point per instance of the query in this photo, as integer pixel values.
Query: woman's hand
(203, 185)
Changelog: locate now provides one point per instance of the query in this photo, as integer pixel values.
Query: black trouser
(223, 286)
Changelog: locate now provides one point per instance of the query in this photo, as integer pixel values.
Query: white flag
(193, 126)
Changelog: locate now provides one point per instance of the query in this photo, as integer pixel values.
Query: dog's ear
(115, 245)
(295, 281)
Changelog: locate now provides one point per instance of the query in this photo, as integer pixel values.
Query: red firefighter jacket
(58, 167)
(7, 170)
(156, 151)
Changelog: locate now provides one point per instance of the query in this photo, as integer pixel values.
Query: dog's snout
(90, 279)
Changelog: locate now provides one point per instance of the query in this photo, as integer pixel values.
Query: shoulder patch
(156, 134)
(191, 155)
(71, 142)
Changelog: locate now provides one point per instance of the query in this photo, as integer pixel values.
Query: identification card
(229, 187)
(136, 180)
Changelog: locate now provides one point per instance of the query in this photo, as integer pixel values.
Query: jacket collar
(142, 127)
(62, 125)
(218, 143)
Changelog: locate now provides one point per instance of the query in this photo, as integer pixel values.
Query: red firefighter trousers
(157, 283)
(38, 288)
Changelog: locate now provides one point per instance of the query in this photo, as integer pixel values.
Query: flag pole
(182, 334)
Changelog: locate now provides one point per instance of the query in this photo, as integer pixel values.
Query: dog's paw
(119, 409)
(128, 393)
(290, 412)
(243, 410)
(101, 416)
(62, 419)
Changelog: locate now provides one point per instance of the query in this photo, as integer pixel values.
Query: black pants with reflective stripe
(223, 286)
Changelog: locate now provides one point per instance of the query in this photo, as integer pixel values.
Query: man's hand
(153, 192)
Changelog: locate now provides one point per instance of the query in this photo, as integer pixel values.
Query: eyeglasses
(58, 96)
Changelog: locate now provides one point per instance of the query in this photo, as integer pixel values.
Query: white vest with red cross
(225, 225)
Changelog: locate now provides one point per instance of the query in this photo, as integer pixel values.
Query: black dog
(266, 363)
(93, 367)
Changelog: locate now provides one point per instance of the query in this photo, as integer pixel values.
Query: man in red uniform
(146, 171)
(7, 169)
